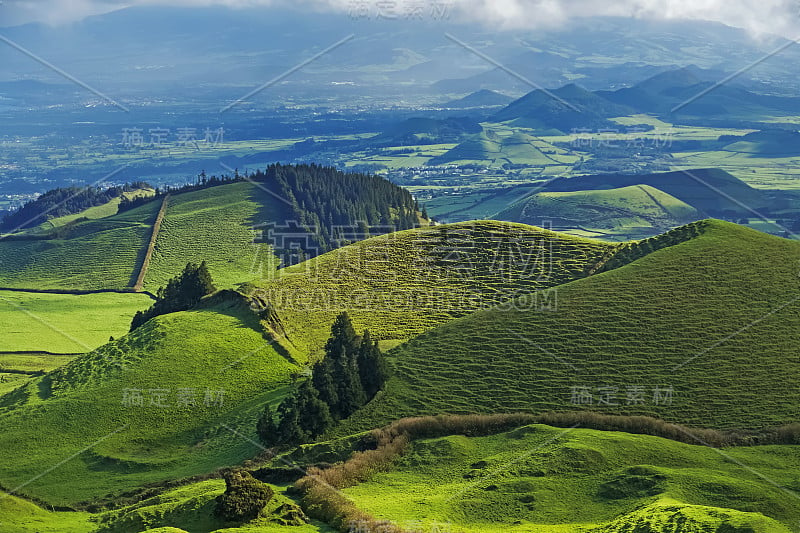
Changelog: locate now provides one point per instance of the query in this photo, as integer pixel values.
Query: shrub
(244, 497)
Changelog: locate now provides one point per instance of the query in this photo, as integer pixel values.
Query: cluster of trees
(352, 371)
(324, 198)
(64, 201)
(181, 293)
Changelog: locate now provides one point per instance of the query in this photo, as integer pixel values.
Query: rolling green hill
(638, 210)
(702, 332)
(545, 480)
(768, 143)
(490, 149)
(215, 225)
(95, 254)
(530, 479)
(403, 284)
(218, 222)
(561, 110)
(712, 191)
(152, 406)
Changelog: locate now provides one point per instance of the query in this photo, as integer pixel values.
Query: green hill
(219, 224)
(768, 143)
(702, 332)
(483, 147)
(403, 284)
(95, 254)
(482, 98)
(152, 406)
(490, 149)
(542, 479)
(561, 110)
(398, 285)
(215, 225)
(712, 191)
(638, 210)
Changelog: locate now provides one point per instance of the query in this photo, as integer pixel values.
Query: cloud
(758, 16)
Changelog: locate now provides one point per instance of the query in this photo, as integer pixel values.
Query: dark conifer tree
(266, 427)
(342, 349)
(372, 366)
(323, 380)
(314, 417)
(289, 430)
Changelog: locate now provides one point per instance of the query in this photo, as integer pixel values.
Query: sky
(758, 16)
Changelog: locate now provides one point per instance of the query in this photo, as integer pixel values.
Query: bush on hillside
(244, 497)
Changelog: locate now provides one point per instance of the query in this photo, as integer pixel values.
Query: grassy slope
(636, 206)
(97, 254)
(64, 323)
(81, 405)
(212, 224)
(20, 516)
(629, 327)
(215, 225)
(107, 209)
(544, 479)
(403, 284)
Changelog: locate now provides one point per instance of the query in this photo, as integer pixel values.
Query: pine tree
(322, 379)
(180, 294)
(314, 417)
(372, 366)
(266, 428)
(138, 320)
(289, 430)
(350, 391)
(342, 349)
(204, 279)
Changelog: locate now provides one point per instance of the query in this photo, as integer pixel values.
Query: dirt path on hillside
(151, 245)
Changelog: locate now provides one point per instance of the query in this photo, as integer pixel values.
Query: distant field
(547, 480)
(63, 323)
(759, 172)
(479, 205)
